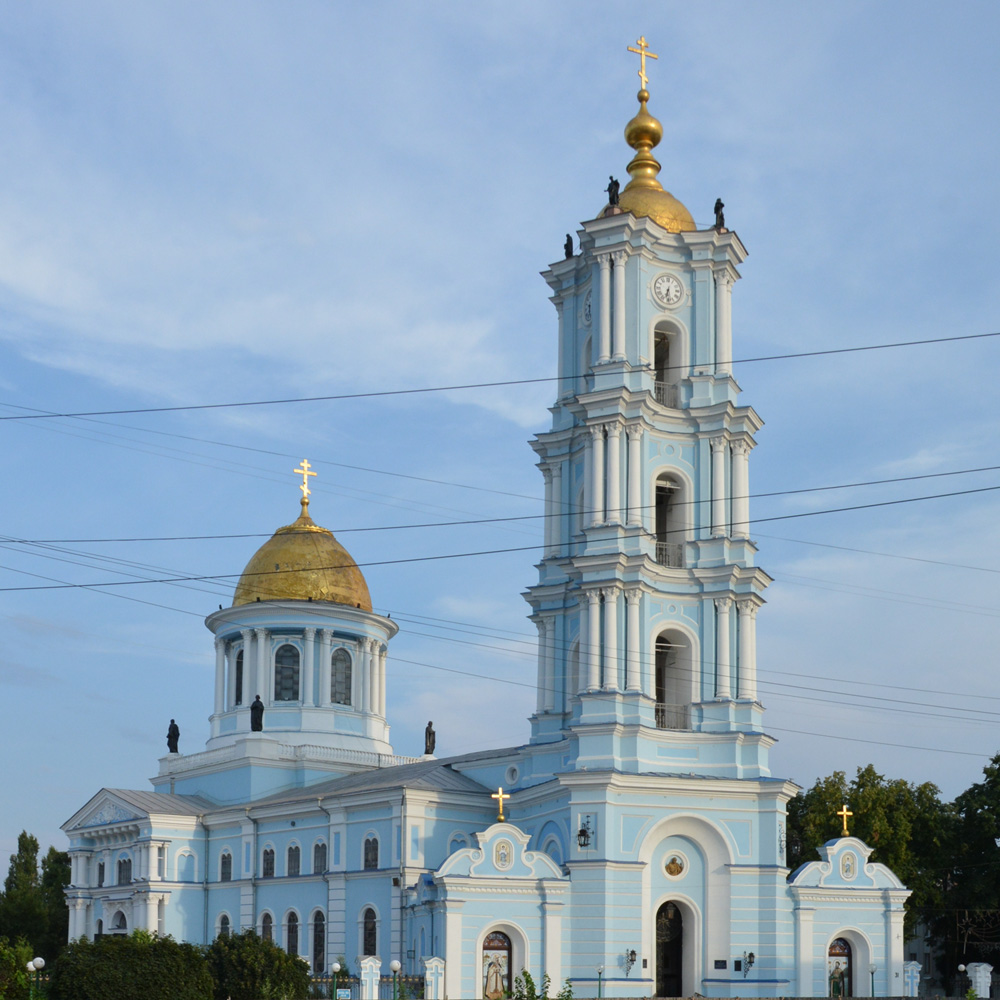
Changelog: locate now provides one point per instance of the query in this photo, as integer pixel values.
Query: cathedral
(634, 846)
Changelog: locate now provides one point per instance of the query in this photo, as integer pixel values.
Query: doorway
(840, 969)
(669, 950)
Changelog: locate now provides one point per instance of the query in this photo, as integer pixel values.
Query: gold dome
(644, 194)
(303, 561)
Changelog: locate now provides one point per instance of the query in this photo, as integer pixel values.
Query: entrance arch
(669, 950)
(497, 951)
(840, 968)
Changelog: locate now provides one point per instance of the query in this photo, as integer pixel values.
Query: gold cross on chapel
(499, 795)
(303, 471)
(843, 814)
(642, 52)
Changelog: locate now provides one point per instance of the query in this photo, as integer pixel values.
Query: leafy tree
(14, 959)
(246, 967)
(120, 967)
(525, 989)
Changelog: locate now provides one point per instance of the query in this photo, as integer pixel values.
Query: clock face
(668, 290)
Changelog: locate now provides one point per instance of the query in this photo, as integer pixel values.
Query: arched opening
(371, 852)
(267, 868)
(586, 363)
(340, 677)
(667, 364)
(294, 864)
(124, 871)
(572, 682)
(319, 943)
(100, 928)
(224, 925)
(286, 673)
(674, 680)
(186, 868)
(238, 686)
(840, 968)
(267, 927)
(319, 858)
(669, 950)
(496, 965)
(226, 867)
(119, 925)
(369, 933)
(292, 934)
(670, 520)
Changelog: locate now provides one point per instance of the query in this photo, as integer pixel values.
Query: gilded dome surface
(303, 561)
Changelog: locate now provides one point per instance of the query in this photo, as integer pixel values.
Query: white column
(593, 650)
(249, 669)
(741, 489)
(309, 666)
(549, 695)
(364, 668)
(548, 532)
(604, 353)
(635, 512)
(557, 508)
(722, 665)
(611, 638)
(220, 675)
(614, 473)
(718, 487)
(748, 658)
(373, 692)
(263, 689)
(597, 470)
(586, 515)
(723, 323)
(325, 642)
(633, 679)
(620, 257)
(542, 624)
(382, 657)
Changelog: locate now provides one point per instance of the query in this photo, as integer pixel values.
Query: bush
(13, 972)
(246, 967)
(117, 967)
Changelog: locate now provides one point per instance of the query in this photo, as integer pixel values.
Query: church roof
(162, 803)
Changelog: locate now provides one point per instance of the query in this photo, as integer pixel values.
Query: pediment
(501, 854)
(845, 866)
(104, 809)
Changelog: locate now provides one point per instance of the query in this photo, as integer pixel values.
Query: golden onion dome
(302, 562)
(644, 194)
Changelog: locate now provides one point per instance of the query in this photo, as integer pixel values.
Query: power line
(383, 393)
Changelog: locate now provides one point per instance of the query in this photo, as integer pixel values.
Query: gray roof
(163, 803)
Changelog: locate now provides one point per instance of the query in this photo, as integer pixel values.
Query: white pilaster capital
(220, 642)
(633, 596)
(614, 429)
(247, 634)
(309, 633)
(547, 474)
(611, 593)
(634, 431)
(724, 278)
(723, 604)
(604, 260)
(741, 446)
(747, 608)
(326, 634)
(542, 624)
(620, 256)
(596, 431)
(593, 597)
(261, 633)
(718, 443)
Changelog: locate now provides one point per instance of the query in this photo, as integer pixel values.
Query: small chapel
(633, 844)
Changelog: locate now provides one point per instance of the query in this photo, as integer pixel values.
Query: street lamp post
(335, 969)
(395, 966)
(873, 968)
(600, 972)
(35, 966)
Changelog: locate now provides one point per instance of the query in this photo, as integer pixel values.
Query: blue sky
(222, 202)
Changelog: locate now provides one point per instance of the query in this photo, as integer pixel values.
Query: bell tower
(648, 591)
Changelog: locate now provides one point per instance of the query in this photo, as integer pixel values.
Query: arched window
(319, 943)
(238, 686)
(293, 860)
(286, 673)
(119, 924)
(124, 871)
(840, 968)
(496, 965)
(224, 926)
(457, 843)
(340, 677)
(100, 874)
(369, 938)
(292, 934)
(267, 870)
(319, 858)
(671, 521)
(669, 950)
(100, 928)
(674, 680)
(185, 868)
(226, 867)
(267, 927)
(371, 854)
(667, 364)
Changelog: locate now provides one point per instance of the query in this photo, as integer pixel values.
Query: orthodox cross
(303, 471)
(642, 52)
(499, 795)
(844, 813)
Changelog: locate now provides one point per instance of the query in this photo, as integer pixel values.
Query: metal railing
(665, 393)
(672, 716)
(670, 554)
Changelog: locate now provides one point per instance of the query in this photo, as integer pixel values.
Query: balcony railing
(665, 393)
(670, 554)
(672, 716)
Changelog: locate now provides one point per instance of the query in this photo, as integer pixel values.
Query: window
(124, 871)
(224, 927)
(286, 674)
(293, 860)
(369, 938)
(267, 927)
(268, 867)
(319, 859)
(371, 858)
(670, 506)
(340, 677)
(119, 923)
(319, 943)
(292, 934)
(185, 868)
(675, 676)
(100, 874)
(238, 687)
(226, 868)
(161, 862)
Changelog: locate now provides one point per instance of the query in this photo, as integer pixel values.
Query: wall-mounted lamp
(629, 960)
(748, 960)
(583, 837)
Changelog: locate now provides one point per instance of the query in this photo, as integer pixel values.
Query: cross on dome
(642, 52)
(844, 813)
(499, 795)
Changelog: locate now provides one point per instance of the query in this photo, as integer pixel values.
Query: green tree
(14, 959)
(54, 878)
(246, 967)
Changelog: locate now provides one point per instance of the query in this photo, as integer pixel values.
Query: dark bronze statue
(568, 246)
(720, 219)
(173, 735)
(430, 738)
(257, 715)
(612, 190)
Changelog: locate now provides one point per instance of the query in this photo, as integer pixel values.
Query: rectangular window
(161, 862)
(100, 874)
(226, 868)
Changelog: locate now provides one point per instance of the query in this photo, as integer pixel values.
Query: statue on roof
(430, 738)
(257, 715)
(173, 735)
(568, 246)
(720, 219)
(612, 189)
